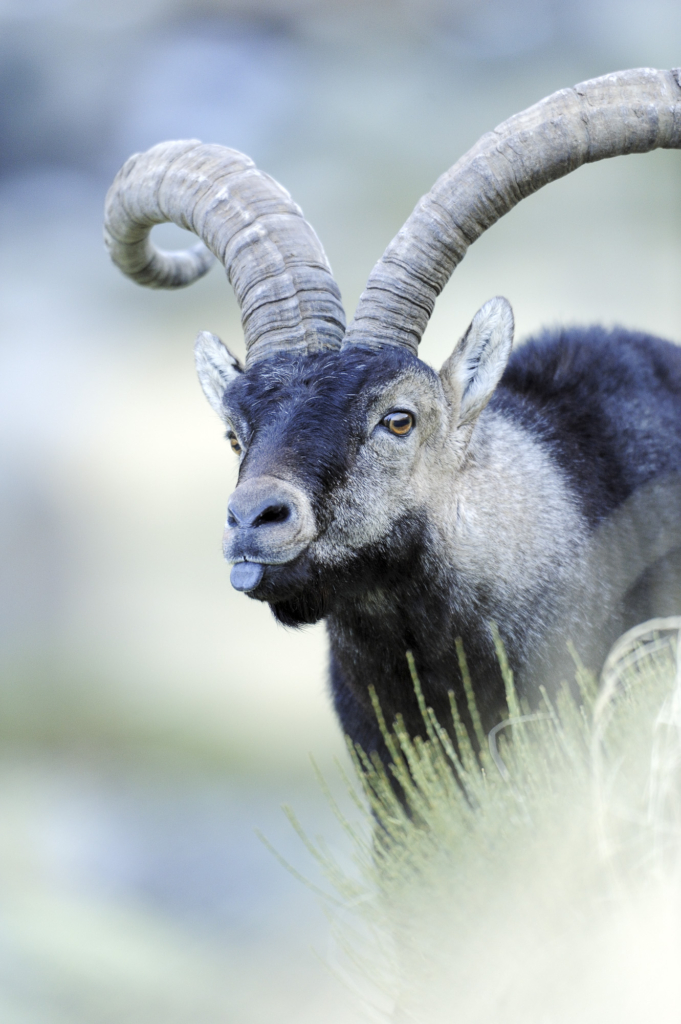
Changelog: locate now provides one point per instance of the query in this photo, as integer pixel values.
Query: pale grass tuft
(536, 880)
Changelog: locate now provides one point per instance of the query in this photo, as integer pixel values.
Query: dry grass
(536, 882)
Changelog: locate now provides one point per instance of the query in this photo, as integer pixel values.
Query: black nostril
(267, 512)
(272, 514)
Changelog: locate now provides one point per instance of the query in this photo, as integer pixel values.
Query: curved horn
(274, 260)
(626, 112)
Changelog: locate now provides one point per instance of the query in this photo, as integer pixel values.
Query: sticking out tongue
(245, 576)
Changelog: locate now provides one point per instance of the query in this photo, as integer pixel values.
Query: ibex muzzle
(269, 522)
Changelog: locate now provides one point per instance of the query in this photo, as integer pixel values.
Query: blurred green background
(150, 717)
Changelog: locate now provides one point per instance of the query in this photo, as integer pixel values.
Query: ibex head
(345, 437)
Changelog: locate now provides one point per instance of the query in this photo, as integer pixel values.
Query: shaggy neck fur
(505, 549)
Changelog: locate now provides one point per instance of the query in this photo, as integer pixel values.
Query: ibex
(408, 508)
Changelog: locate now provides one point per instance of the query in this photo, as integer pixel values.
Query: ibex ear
(216, 367)
(474, 368)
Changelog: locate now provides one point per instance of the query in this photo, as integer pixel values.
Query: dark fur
(608, 403)
(607, 406)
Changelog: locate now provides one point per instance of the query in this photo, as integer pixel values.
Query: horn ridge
(626, 112)
(273, 258)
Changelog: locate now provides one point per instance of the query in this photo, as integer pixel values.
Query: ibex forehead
(327, 384)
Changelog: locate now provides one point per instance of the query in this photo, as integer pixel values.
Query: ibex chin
(536, 490)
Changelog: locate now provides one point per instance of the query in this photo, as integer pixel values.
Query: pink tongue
(245, 576)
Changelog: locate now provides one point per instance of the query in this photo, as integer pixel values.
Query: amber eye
(236, 447)
(399, 423)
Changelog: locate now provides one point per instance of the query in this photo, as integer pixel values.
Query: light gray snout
(256, 506)
(269, 522)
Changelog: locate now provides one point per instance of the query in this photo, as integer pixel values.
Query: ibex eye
(236, 447)
(399, 423)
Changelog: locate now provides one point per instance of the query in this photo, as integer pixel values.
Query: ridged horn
(626, 112)
(274, 260)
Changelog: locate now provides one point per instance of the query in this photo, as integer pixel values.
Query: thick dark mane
(607, 404)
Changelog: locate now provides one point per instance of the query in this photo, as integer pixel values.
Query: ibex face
(343, 458)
